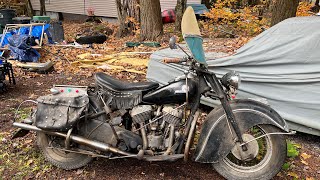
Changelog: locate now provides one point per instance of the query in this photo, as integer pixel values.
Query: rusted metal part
(67, 141)
(89, 153)
(146, 158)
(144, 137)
(171, 139)
(190, 136)
(78, 139)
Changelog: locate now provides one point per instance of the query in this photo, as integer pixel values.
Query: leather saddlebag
(60, 113)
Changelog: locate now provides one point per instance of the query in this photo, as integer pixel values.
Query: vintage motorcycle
(241, 138)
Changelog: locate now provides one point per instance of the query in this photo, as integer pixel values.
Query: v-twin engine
(158, 128)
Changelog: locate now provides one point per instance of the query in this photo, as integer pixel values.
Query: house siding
(69, 6)
(105, 8)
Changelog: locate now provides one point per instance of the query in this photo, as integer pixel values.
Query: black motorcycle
(241, 138)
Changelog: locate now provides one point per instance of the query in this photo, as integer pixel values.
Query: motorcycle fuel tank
(172, 93)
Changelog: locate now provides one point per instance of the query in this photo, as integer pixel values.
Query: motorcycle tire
(98, 39)
(276, 148)
(60, 158)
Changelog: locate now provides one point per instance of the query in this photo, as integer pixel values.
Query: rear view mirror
(172, 42)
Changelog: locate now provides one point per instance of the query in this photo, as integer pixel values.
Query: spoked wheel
(263, 159)
(51, 148)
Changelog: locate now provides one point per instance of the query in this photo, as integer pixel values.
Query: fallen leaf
(30, 161)
(305, 156)
(39, 83)
(135, 61)
(292, 174)
(87, 66)
(134, 71)
(32, 96)
(28, 141)
(82, 56)
(297, 145)
(90, 74)
(304, 162)
(79, 171)
(69, 78)
(104, 67)
(38, 175)
(310, 178)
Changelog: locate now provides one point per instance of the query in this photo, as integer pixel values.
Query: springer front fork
(216, 85)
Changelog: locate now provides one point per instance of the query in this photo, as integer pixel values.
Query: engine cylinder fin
(142, 113)
(171, 115)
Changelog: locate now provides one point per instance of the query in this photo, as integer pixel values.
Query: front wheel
(263, 159)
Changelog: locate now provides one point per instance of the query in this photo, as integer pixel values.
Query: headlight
(231, 79)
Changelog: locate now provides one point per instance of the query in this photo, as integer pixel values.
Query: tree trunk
(122, 10)
(283, 9)
(30, 9)
(125, 9)
(180, 8)
(42, 7)
(151, 20)
(134, 9)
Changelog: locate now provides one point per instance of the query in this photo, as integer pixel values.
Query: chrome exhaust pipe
(78, 139)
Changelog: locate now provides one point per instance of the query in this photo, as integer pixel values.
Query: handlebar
(174, 60)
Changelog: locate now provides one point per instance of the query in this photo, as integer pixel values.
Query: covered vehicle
(281, 65)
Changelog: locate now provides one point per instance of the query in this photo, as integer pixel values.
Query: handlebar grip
(172, 60)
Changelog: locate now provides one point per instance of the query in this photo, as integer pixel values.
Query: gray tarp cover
(281, 65)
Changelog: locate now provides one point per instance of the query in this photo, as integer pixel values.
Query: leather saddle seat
(111, 83)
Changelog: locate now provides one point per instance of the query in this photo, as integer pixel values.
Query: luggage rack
(6, 70)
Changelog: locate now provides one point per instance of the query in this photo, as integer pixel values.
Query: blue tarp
(19, 42)
(35, 32)
(21, 50)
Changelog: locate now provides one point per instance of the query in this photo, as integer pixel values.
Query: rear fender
(216, 140)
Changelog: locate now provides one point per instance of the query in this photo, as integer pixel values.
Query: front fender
(216, 140)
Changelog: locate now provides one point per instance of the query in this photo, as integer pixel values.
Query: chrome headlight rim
(231, 78)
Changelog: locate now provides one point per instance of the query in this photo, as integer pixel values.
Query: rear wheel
(263, 159)
(51, 147)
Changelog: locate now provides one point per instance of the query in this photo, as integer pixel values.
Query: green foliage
(23, 113)
(292, 149)
(292, 152)
(286, 166)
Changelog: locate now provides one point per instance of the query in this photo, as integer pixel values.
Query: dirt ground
(21, 159)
